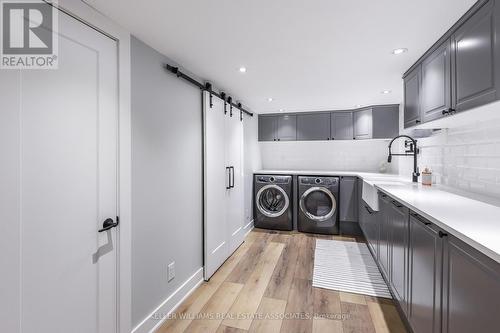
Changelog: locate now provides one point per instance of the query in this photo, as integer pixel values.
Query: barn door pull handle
(109, 223)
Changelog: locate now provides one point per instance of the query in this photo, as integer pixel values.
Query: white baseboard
(247, 228)
(152, 322)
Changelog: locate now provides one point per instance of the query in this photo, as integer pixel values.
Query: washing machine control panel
(318, 181)
(274, 179)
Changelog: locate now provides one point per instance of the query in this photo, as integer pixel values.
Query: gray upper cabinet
(425, 278)
(477, 58)
(460, 72)
(471, 290)
(267, 128)
(363, 124)
(313, 126)
(342, 126)
(412, 84)
(287, 128)
(348, 210)
(436, 84)
(377, 122)
(385, 121)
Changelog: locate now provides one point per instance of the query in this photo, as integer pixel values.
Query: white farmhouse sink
(370, 192)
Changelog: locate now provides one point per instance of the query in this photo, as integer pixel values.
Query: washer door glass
(318, 203)
(272, 201)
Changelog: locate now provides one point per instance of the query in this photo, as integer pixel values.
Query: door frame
(88, 15)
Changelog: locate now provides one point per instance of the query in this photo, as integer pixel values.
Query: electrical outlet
(171, 271)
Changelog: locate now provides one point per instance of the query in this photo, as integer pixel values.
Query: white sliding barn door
(235, 214)
(61, 166)
(216, 245)
(223, 173)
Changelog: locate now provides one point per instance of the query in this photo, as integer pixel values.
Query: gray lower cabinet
(399, 247)
(267, 128)
(287, 128)
(342, 126)
(385, 230)
(348, 201)
(471, 290)
(412, 85)
(313, 126)
(441, 283)
(363, 124)
(369, 220)
(425, 269)
(477, 58)
(436, 83)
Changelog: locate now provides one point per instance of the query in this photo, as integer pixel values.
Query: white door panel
(67, 148)
(234, 155)
(216, 181)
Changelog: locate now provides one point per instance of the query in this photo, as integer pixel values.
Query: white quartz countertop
(475, 222)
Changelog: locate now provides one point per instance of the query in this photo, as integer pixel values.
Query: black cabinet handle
(368, 210)
(228, 170)
(442, 234)
(448, 111)
(417, 121)
(109, 223)
(232, 176)
(397, 204)
(278, 139)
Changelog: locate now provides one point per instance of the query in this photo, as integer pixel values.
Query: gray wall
(166, 180)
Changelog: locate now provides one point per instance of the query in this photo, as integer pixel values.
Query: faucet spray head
(389, 158)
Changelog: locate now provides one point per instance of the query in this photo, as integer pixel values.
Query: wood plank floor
(266, 286)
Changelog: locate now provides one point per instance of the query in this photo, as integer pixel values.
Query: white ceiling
(306, 54)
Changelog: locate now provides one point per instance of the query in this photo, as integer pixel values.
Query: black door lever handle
(108, 224)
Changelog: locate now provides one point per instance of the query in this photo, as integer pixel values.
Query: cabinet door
(384, 236)
(436, 83)
(399, 252)
(363, 124)
(342, 126)
(287, 128)
(348, 211)
(385, 121)
(476, 59)
(267, 128)
(425, 277)
(412, 97)
(313, 126)
(234, 204)
(471, 290)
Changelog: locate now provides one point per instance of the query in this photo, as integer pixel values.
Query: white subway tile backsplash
(466, 158)
(362, 155)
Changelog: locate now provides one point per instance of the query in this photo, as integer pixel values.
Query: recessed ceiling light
(357, 105)
(270, 99)
(243, 69)
(281, 110)
(385, 92)
(399, 51)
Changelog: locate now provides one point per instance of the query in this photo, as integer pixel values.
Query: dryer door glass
(318, 203)
(272, 201)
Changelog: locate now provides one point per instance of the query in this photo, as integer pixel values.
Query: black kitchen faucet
(412, 150)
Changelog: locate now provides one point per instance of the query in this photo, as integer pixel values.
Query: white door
(62, 167)
(235, 194)
(216, 175)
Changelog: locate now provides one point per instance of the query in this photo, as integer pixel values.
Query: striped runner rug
(349, 267)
